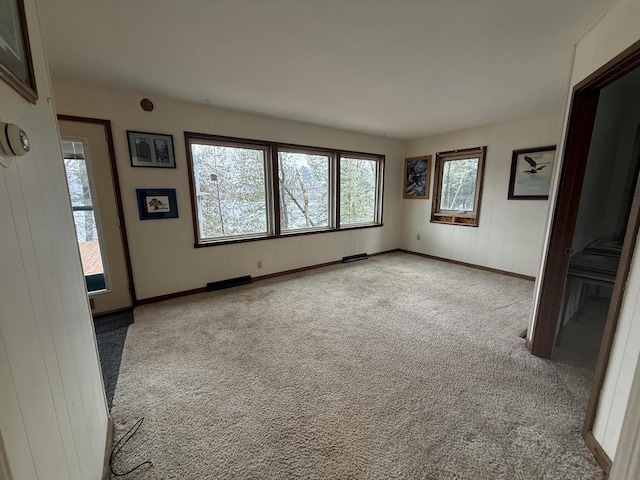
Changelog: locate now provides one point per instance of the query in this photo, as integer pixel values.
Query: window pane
(230, 189)
(83, 214)
(358, 192)
(304, 190)
(459, 184)
(77, 176)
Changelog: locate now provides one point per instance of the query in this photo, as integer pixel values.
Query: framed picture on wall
(417, 177)
(151, 150)
(157, 203)
(531, 170)
(16, 66)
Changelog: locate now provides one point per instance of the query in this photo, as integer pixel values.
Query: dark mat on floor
(112, 321)
(110, 346)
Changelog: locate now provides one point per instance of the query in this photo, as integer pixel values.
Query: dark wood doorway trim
(578, 141)
(116, 186)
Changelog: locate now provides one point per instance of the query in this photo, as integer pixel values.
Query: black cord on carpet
(115, 450)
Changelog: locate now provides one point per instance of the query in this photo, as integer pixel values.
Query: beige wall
(53, 414)
(618, 30)
(511, 232)
(163, 257)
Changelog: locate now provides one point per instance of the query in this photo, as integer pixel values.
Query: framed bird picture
(531, 170)
(417, 177)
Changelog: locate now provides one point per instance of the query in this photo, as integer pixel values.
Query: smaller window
(458, 187)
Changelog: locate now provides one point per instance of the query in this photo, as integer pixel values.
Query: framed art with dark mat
(154, 204)
(151, 150)
(531, 171)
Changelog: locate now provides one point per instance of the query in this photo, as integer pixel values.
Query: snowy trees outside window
(242, 188)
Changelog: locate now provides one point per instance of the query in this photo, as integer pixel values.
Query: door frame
(582, 114)
(106, 124)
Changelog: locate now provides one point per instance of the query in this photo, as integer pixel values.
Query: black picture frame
(531, 173)
(16, 64)
(157, 203)
(151, 150)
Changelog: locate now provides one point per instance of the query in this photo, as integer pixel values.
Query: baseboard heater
(231, 282)
(355, 258)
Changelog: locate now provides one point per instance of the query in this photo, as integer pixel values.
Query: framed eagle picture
(531, 171)
(417, 177)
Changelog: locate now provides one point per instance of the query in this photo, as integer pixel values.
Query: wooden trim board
(107, 449)
(169, 296)
(615, 307)
(470, 265)
(597, 451)
(184, 293)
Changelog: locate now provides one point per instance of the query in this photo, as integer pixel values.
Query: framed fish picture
(531, 171)
(417, 177)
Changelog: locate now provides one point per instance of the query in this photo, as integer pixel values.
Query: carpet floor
(112, 321)
(389, 368)
(110, 347)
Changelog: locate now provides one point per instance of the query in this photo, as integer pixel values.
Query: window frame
(267, 191)
(451, 217)
(379, 193)
(272, 184)
(331, 220)
(95, 207)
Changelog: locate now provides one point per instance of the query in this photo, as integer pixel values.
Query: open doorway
(601, 224)
(595, 221)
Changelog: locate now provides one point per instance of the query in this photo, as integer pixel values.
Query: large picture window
(246, 190)
(231, 190)
(458, 187)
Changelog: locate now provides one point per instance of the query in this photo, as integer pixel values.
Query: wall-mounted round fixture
(14, 142)
(146, 104)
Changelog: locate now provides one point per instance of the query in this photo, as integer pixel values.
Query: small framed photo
(417, 177)
(156, 203)
(16, 66)
(531, 170)
(151, 150)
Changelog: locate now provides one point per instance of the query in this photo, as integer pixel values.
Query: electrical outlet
(418, 237)
(259, 264)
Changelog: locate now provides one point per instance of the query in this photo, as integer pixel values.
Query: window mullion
(275, 191)
(337, 189)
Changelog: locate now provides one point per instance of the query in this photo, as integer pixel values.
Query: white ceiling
(400, 68)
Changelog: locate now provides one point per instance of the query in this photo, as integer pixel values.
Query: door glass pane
(84, 214)
(459, 184)
(304, 190)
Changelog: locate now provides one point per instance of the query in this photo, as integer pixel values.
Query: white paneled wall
(618, 30)
(511, 232)
(53, 416)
